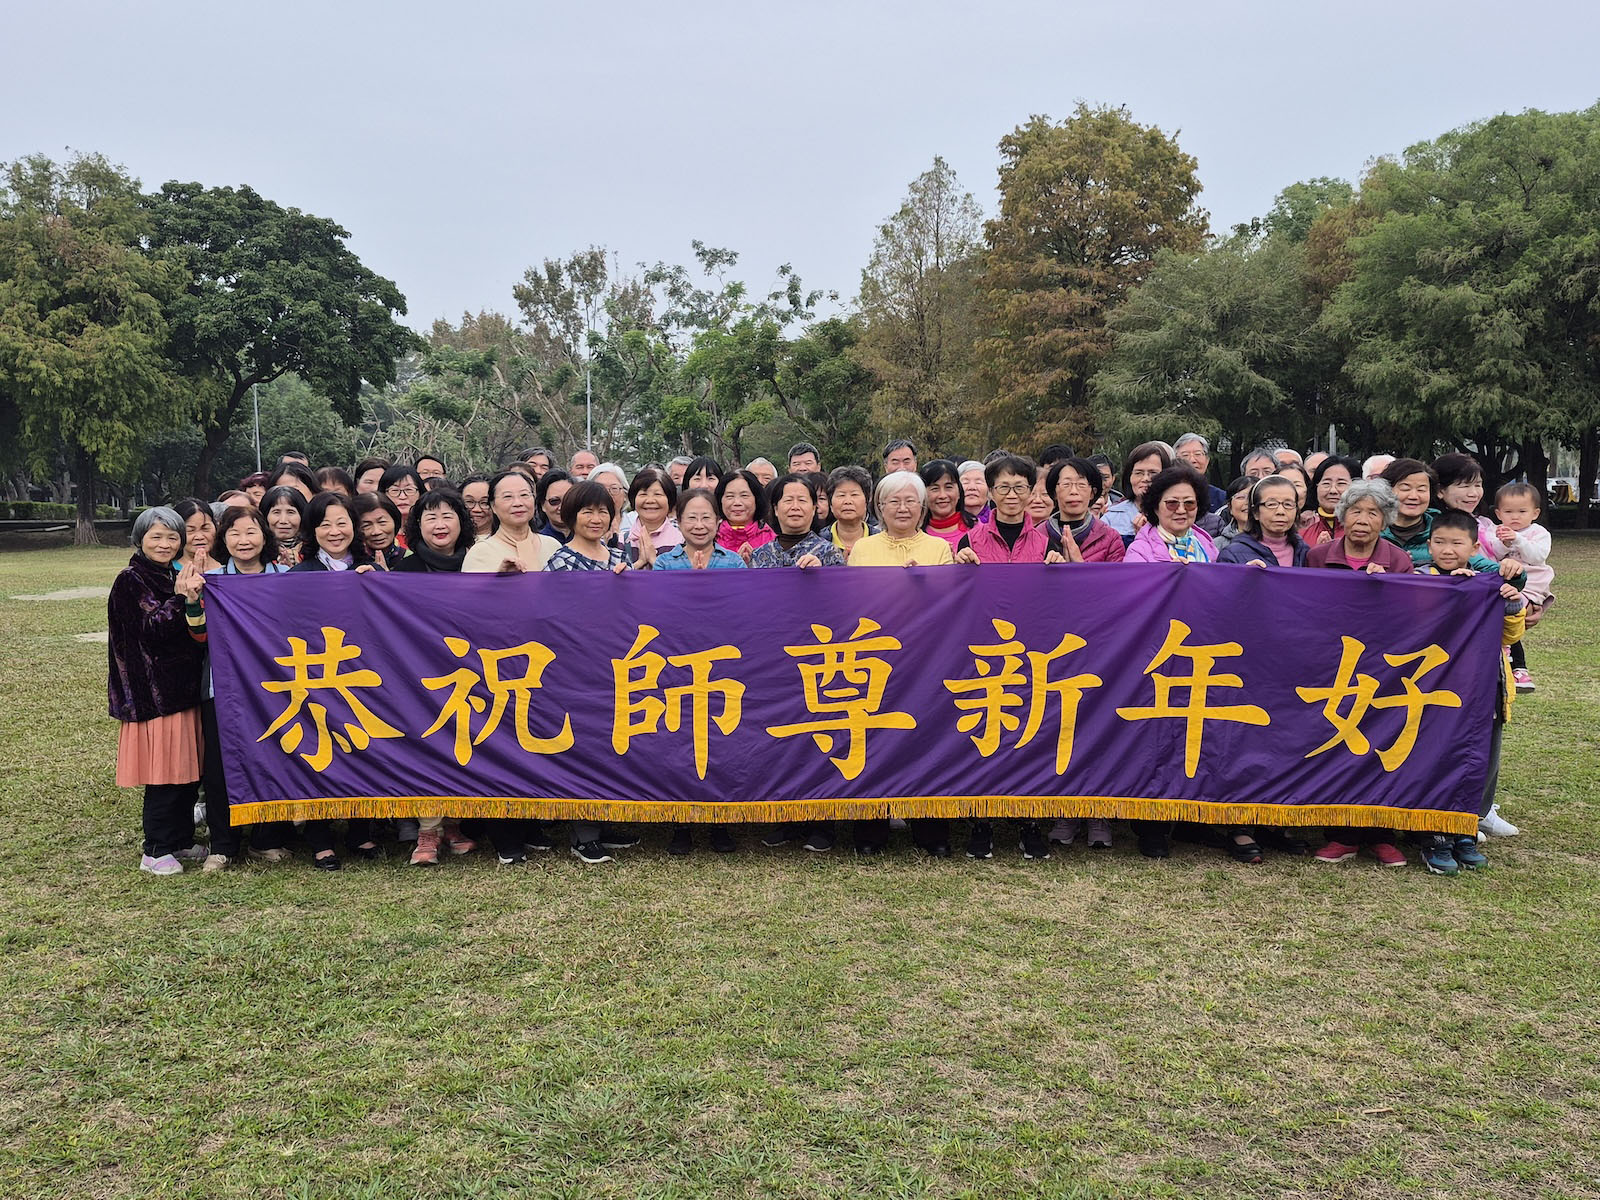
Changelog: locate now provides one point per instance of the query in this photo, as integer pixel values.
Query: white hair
(609, 468)
(1376, 465)
(896, 481)
(971, 464)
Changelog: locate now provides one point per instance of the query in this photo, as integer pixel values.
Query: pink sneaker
(1388, 854)
(167, 864)
(1335, 852)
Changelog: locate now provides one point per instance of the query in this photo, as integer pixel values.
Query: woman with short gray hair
(153, 684)
(1364, 511)
(901, 502)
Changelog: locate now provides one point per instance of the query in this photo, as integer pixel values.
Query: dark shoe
(780, 835)
(618, 839)
(327, 863)
(591, 852)
(1468, 855)
(721, 840)
(981, 843)
(938, 850)
(1033, 843)
(1279, 841)
(682, 841)
(1245, 852)
(370, 853)
(869, 849)
(1438, 855)
(1099, 833)
(510, 856)
(1154, 845)
(537, 838)
(818, 841)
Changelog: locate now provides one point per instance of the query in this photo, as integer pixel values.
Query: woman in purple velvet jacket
(153, 684)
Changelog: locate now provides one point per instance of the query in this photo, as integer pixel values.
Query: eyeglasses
(407, 492)
(1277, 506)
(902, 502)
(1011, 489)
(1175, 506)
(476, 503)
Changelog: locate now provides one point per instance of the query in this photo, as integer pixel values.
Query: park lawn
(784, 1024)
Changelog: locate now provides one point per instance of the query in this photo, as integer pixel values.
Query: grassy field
(783, 1024)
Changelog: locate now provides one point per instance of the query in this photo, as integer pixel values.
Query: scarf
(735, 537)
(343, 563)
(1183, 549)
(435, 561)
(1080, 529)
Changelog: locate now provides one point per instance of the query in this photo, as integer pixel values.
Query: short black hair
(1456, 468)
(1404, 468)
(271, 497)
(422, 458)
(368, 502)
(939, 468)
(1252, 518)
(1333, 460)
(587, 494)
(398, 472)
(441, 498)
(332, 478)
(235, 514)
(804, 448)
(1171, 477)
(850, 473)
(1013, 464)
(1053, 453)
(689, 494)
(299, 472)
(1143, 451)
(645, 477)
(1084, 469)
(541, 486)
(1457, 519)
(900, 444)
(804, 478)
(702, 463)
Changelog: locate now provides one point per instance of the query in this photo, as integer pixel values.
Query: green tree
(270, 290)
(83, 342)
(1226, 338)
(918, 296)
(1471, 311)
(1085, 205)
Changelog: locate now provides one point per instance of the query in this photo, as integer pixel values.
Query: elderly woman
(285, 511)
(697, 521)
(153, 683)
(1364, 511)
(1333, 475)
(1144, 462)
(974, 491)
(901, 502)
(1170, 504)
(797, 544)
(513, 547)
(616, 482)
(1415, 488)
(651, 498)
(1076, 485)
(1269, 537)
(946, 517)
(849, 503)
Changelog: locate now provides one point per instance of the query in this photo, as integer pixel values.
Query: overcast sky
(461, 142)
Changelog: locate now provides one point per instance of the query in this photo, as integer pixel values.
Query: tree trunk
(1588, 462)
(1534, 464)
(216, 435)
(83, 469)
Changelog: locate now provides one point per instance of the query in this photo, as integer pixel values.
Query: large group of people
(1384, 515)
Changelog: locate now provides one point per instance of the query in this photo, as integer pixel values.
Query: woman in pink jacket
(1171, 504)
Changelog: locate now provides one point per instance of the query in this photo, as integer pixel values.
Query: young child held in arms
(1451, 546)
(1519, 535)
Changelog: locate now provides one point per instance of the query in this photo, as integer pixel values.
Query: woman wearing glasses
(1269, 537)
(475, 495)
(1170, 506)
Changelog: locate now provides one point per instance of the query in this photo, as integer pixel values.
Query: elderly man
(1376, 466)
(1259, 463)
(1193, 449)
(1315, 460)
(582, 463)
(804, 459)
(763, 470)
(1283, 456)
(676, 468)
(899, 455)
(430, 467)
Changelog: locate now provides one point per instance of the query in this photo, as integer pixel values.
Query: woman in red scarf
(742, 504)
(946, 517)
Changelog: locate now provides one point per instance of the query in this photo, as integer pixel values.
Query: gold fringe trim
(1134, 808)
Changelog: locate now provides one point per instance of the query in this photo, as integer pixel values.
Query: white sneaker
(1497, 826)
(165, 865)
(214, 862)
(195, 853)
(1065, 831)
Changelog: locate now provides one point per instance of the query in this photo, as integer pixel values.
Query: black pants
(319, 834)
(168, 818)
(1519, 656)
(270, 835)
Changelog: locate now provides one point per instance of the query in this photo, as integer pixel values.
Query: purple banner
(1212, 693)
